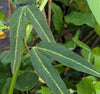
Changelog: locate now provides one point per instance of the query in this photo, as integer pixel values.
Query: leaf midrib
(18, 26)
(67, 58)
(38, 24)
(34, 49)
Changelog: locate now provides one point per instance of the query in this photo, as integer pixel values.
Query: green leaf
(25, 15)
(5, 58)
(60, 68)
(94, 6)
(67, 58)
(57, 17)
(6, 86)
(3, 78)
(97, 64)
(26, 81)
(82, 4)
(47, 72)
(46, 90)
(97, 87)
(86, 51)
(2, 16)
(79, 18)
(97, 29)
(81, 44)
(25, 1)
(2, 26)
(87, 55)
(28, 31)
(96, 53)
(92, 78)
(71, 45)
(86, 86)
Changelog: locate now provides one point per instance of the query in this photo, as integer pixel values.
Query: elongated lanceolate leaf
(47, 72)
(24, 15)
(67, 58)
(95, 8)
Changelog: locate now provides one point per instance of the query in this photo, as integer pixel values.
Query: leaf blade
(25, 15)
(43, 67)
(67, 58)
(39, 24)
(94, 6)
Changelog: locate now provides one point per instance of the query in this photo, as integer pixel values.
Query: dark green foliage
(57, 17)
(79, 18)
(26, 81)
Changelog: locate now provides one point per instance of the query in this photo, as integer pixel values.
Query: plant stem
(26, 92)
(14, 78)
(43, 4)
(15, 74)
(49, 13)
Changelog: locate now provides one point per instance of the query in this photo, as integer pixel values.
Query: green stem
(26, 92)
(43, 4)
(15, 74)
(14, 78)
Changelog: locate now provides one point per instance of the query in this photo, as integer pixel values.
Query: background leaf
(82, 4)
(2, 26)
(46, 90)
(5, 58)
(57, 17)
(25, 1)
(96, 54)
(2, 16)
(79, 18)
(97, 87)
(86, 86)
(26, 81)
(95, 7)
(6, 86)
(97, 29)
(3, 78)
(71, 45)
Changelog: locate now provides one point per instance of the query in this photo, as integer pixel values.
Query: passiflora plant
(43, 54)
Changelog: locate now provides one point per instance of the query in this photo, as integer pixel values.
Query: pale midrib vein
(39, 25)
(17, 39)
(67, 58)
(47, 71)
